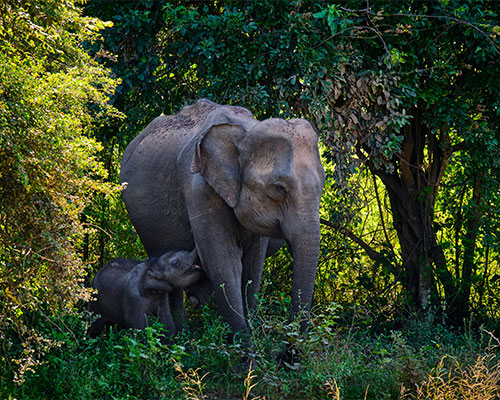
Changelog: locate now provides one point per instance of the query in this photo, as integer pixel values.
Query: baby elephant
(128, 290)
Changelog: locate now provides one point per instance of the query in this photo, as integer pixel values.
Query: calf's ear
(149, 286)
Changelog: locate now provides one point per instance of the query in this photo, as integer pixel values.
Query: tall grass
(452, 379)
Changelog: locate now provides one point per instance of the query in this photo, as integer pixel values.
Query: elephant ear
(216, 154)
(150, 285)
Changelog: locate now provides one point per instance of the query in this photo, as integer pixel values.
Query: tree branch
(380, 208)
(446, 17)
(374, 255)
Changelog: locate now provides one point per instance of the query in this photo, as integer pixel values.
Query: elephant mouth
(275, 234)
(265, 228)
(271, 230)
(259, 223)
(155, 277)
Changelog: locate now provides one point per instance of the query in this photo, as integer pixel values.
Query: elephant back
(165, 131)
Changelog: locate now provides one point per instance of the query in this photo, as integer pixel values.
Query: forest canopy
(405, 96)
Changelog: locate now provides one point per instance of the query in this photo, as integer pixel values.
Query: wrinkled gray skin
(128, 290)
(215, 177)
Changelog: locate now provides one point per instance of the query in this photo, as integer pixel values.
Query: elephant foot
(166, 339)
(288, 357)
(97, 328)
(245, 366)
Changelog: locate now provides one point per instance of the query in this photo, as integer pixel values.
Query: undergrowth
(334, 360)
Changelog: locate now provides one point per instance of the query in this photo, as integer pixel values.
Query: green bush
(52, 93)
(334, 359)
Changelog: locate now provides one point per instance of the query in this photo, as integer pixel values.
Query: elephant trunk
(193, 257)
(303, 235)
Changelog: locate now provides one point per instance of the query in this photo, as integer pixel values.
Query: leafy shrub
(51, 94)
(334, 359)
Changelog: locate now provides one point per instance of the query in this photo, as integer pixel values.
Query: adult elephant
(215, 177)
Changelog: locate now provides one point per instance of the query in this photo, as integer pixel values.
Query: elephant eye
(175, 263)
(278, 190)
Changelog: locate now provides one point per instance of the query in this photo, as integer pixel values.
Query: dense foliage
(128, 49)
(51, 94)
(406, 98)
(425, 360)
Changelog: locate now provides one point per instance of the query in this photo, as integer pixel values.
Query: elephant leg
(136, 320)
(166, 318)
(216, 231)
(136, 310)
(200, 291)
(254, 254)
(225, 276)
(176, 308)
(221, 260)
(97, 327)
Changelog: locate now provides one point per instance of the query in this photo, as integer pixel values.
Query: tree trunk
(412, 190)
(417, 239)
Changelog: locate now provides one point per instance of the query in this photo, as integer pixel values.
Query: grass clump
(452, 379)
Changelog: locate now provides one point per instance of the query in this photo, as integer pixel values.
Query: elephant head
(269, 172)
(173, 269)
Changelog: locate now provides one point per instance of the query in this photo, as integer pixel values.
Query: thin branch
(377, 32)
(447, 17)
(457, 20)
(355, 11)
(359, 28)
(380, 208)
(98, 228)
(418, 70)
(396, 280)
(58, 327)
(374, 255)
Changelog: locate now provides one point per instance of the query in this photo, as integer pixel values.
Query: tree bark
(412, 190)
(414, 238)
